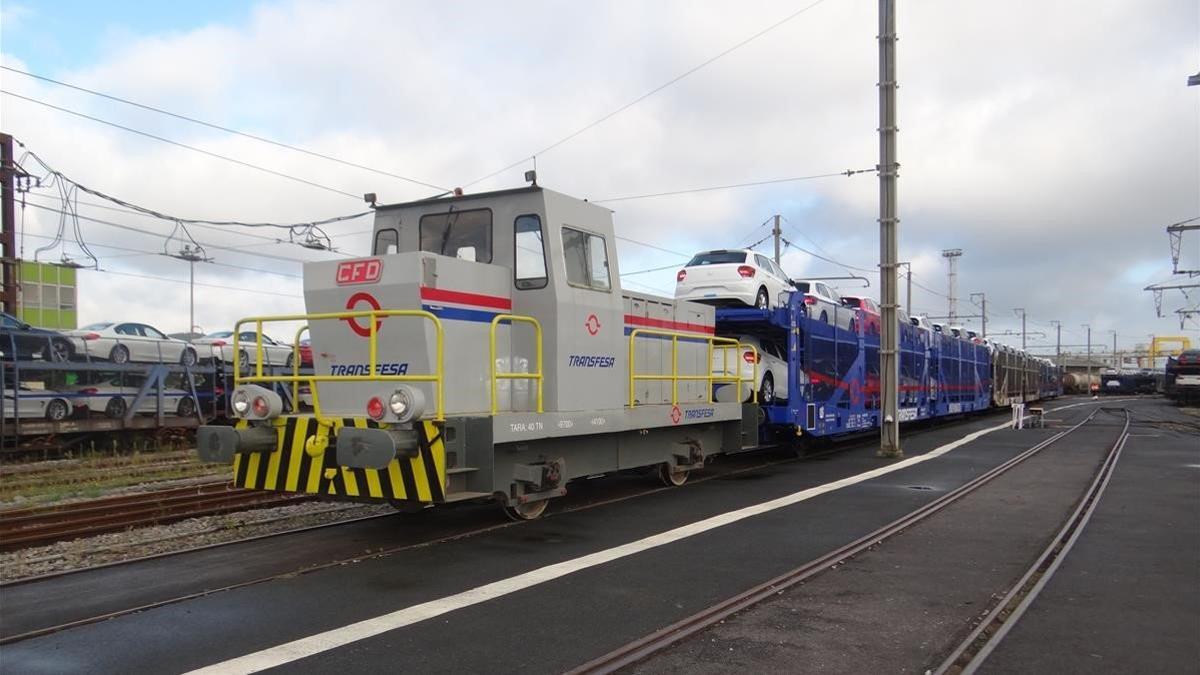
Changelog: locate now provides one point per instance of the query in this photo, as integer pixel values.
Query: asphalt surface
(1127, 597)
(545, 628)
(906, 603)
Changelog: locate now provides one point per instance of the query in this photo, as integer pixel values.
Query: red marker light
(260, 406)
(375, 408)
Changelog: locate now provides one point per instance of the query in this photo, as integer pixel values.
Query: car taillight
(746, 271)
(810, 300)
(375, 408)
(218, 343)
(681, 276)
(91, 336)
(91, 391)
(752, 357)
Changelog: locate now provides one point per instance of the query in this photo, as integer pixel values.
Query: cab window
(586, 259)
(530, 268)
(387, 241)
(459, 234)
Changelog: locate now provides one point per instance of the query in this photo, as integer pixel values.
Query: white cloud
(1050, 142)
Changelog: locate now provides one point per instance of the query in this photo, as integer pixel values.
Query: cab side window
(586, 259)
(529, 270)
(387, 241)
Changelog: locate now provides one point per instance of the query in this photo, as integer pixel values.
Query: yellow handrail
(675, 377)
(537, 331)
(437, 377)
(296, 370)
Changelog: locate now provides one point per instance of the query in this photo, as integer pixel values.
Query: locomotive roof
(452, 198)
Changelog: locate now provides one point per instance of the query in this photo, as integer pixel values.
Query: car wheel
(186, 407)
(766, 394)
(188, 358)
(853, 326)
(289, 362)
(762, 300)
(243, 360)
(57, 410)
(115, 407)
(58, 351)
(824, 317)
(119, 354)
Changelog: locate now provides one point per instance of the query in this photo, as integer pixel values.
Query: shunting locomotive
(486, 351)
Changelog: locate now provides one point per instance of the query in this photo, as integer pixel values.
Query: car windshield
(96, 326)
(220, 334)
(851, 301)
(717, 258)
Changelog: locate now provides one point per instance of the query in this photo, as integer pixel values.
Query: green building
(48, 295)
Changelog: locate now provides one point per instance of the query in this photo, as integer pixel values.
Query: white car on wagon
(130, 342)
(772, 382)
(741, 275)
(824, 303)
(275, 353)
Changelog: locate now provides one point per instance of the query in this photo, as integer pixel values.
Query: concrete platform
(545, 627)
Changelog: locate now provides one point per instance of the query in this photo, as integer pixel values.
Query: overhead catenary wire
(228, 130)
(232, 160)
(732, 186)
(139, 230)
(648, 94)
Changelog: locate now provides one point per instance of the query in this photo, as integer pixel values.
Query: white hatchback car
(126, 342)
(741, 275)
(825, 304)
(772, 383)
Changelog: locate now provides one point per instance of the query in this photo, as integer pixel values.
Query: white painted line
(339, 637)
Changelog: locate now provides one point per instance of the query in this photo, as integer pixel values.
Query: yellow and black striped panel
(291, 469)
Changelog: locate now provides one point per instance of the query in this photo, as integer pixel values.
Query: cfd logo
(354, 272)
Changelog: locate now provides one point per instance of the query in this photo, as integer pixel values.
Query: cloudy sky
(1051, 141)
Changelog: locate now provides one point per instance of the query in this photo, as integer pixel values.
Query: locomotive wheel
(672, 476)
(527, 511)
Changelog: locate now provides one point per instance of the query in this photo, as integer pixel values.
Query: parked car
(112, 398)
(130, 342)
(220, 344)
(867, 309)
(306, 360)
(921, 321)
(32, 342)
(824, 303)
(732, 276)
(28, 403)
(772, 383)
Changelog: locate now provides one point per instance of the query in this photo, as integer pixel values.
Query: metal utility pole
(778, 235)
(1058, 343)
(8, 258)
(982, 309)
(1116, 357)
(1089, 356)
(1022, 311)
(889, 363)
(193, 255)
(952, 255)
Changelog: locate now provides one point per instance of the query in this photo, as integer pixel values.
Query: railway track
(638, 650)
(33, 526)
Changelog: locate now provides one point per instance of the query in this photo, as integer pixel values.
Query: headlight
(406, 403)
(241, 402)
(256, 403)
(399, 403)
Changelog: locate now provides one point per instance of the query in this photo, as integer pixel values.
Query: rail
(375, 317)
(725, 344)
(496, 376)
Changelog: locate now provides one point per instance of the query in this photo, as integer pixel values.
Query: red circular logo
(352, 304)
(592, 324)
(676, 414)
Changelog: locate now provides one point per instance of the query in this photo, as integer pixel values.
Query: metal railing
(724, 344)
(375, 317)
(496, 376)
